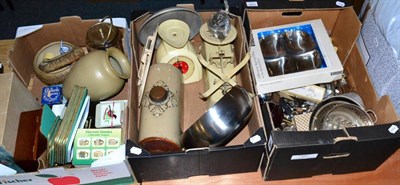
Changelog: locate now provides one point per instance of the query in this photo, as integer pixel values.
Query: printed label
(270, 143)
(393, 129)
(252, 4)
(303, 156)
(135, 150)
(340, 3)
(255, 139)
(93, 144)
(52, 95)
(336, 73)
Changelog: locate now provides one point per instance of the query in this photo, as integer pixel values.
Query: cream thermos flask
(161, 107)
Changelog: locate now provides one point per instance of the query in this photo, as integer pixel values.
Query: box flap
(4, 170)
(300, 154)
(225, 160)
(306, 154)
(198, 161)
(347, 19)
(163, 167)
(25, 30)
(373, 147)
(297, 4)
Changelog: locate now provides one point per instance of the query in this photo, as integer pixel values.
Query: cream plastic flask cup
(161, 107)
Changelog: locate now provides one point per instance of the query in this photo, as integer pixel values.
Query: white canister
(161, 107)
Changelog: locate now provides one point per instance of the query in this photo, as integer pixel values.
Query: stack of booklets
(62, 132)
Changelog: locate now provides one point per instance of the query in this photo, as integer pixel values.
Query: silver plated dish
(319, 114)
(298, 41)
(280, 66)
(307, 61)
(327, 104)
(221, 122)
(344, 116)
(272, 46)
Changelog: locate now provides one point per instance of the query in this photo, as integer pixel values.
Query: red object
(66, 180)
(182, 66)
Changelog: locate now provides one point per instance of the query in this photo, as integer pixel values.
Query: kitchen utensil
(174, 32)
(185, 59)
(307, 61)
(52, 67)
(298, 41)
(103, 35)
(145, 62)
(221, 122)
(190, 17)
(161, 109)
(344, 116)
(280, 66)
(272, 46)
(320, 112)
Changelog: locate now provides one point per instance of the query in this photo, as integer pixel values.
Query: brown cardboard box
(15, 98)
(238, 156)
(70, 29)
(304, 154)
(31, 39)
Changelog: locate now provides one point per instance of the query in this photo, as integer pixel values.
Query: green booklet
(92, 144)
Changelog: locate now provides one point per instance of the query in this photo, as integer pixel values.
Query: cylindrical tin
(161, 107)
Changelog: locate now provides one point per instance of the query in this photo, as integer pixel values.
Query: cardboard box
(303, 154)
(242, 154)
(29, 40)
(111, 174)
(14, 99)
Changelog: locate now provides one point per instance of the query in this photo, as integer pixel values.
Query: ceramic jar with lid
(161, 107)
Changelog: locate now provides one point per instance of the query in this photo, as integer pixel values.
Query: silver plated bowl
(307, 61)
(272, 46)
(318, 115)
(221, 122)
(280, 66)
(298, 41)
(345, 116)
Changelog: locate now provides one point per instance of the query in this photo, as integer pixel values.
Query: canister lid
(158, 94)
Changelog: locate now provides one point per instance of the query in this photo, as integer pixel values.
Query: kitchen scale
(217, 55)
(175, 26)
(176, 49)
